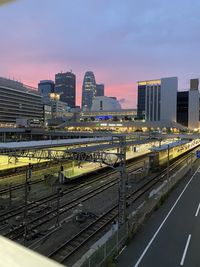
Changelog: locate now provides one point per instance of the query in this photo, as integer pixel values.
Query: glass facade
(88, 90)
(45, 88)
(65, 85)
(141, 101)
(149, 100)
(182, 108)
(99, 90)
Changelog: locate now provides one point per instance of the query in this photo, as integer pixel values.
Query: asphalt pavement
(171, 237)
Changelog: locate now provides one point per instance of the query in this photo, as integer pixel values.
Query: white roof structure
(105, 103)
(53, 143)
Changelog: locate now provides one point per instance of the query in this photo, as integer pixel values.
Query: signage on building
(198, 153)
(111, 124)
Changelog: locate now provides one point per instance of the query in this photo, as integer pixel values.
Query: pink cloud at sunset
(115, 40)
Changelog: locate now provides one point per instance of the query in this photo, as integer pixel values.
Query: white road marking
(161, 225)
(196, 214)
(185, 250)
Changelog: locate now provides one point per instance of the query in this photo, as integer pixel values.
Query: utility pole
(122, 180)
(27, 189)
(29, 172)
(10, 195)
(59, 194)
(191, 162)
(25, 207)
(168, 148)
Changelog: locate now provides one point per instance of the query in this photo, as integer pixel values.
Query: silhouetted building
(45, 88)
(88, 90)
(188, 106)
(182, 108)
(99, 90)
(65, 85)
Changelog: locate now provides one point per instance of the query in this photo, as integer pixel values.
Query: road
(171, 237)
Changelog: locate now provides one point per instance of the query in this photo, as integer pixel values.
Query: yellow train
(160, 155)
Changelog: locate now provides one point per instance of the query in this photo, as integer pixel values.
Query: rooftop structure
(105, 103)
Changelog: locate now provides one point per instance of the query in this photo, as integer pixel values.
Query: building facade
(153, 99)
(188, 106)
(45, 88)
(182, 108)
(99, 90)
(19, 101)
(88, 90)
(105, 103)
(65, 85)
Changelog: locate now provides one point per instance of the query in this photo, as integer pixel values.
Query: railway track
(51, 214)
(40, 202)
(65, 250)
(68, 248)
(19, 186)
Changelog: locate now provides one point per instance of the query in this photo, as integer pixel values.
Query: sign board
(198, 153)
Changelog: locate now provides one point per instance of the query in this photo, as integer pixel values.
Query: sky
(122, 42)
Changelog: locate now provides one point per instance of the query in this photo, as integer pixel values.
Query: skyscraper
(99, 89)
(88, 90)
(157, 99)
(65, 85)
(45, 87)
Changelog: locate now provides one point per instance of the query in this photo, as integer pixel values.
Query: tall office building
(99, 90)
(45, 88)
(65, 85)
(88, 90)
(157, 99)
(188, 106)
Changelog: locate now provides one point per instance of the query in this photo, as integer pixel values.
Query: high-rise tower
(88, 90)
(45, 88)
(65, 85)
(157, 99)
(100, 89)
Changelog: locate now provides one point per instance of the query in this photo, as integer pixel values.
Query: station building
(18, 101)
(107, 109)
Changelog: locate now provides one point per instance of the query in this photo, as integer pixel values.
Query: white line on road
(161, 225)
(196, 214)
(185, 250)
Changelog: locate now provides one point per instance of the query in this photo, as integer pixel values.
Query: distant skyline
(122, 42)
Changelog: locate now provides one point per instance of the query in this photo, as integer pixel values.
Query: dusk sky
(122, 42)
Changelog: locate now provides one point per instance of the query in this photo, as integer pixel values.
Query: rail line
(40, 202)
(68, 248)
(49, 215)
(19, 186)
